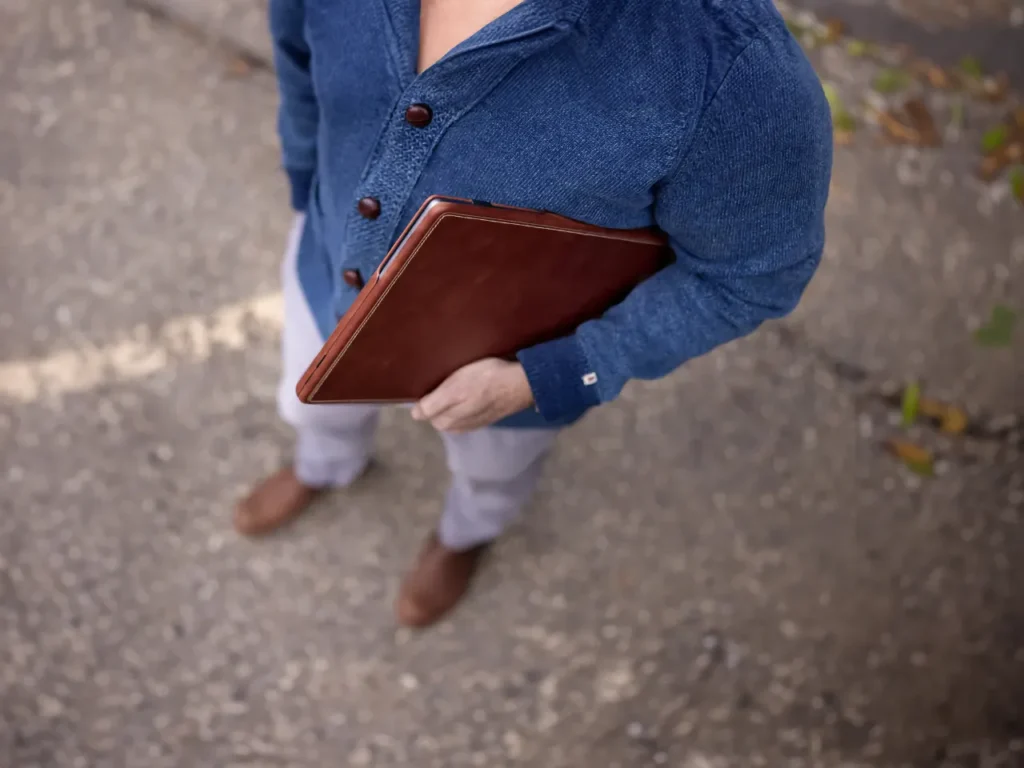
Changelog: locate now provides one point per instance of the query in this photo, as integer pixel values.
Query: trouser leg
(494, 473)
(333, 443)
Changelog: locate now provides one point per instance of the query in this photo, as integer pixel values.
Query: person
(702, 118)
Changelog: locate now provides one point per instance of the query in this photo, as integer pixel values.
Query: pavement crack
(791, 337)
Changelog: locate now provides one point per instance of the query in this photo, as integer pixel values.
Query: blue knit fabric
(700, 117)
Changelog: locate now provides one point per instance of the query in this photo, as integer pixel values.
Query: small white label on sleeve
(590, 379)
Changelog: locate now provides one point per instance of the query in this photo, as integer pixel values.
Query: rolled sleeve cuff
(564, 385)
(301, 181)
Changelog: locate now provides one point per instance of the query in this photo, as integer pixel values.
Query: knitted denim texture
(700, 117)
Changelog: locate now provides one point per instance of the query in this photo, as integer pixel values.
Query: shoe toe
(276, 501)
(246, 517)
(411, 613)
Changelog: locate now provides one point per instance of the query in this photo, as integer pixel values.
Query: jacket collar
(403, 17)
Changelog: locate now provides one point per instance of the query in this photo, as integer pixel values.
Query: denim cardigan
(700, 117)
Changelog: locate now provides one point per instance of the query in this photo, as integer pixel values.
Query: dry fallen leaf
(990, 168)
(1017, 182)
(1003, 146)
(994, 163)
(920, 67)
(938, 78)
(923, 122)
(834, 30)
(915, 126)
(951, 419)
(895, 130)
(916, 458)
(996, 88)
(954, 422)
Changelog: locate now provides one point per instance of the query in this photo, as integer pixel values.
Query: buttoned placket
(429, 103)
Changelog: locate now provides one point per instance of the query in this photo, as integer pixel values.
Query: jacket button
(419, 115)
(352, 278)
(369, 207)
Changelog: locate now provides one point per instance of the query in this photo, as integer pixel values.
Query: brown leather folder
(469, 280)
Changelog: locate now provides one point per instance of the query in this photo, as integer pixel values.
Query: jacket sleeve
(744, 213)
(298, 114)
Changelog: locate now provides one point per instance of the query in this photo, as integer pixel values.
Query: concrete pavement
(723, 569)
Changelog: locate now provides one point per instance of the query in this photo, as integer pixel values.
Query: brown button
(352, 278)
(369, 207)
(419, 115)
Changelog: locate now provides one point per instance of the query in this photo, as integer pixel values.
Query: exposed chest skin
(446, 23)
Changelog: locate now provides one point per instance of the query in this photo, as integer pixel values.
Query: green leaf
(857, 48)
(842, 120)
(914, 457)
(834, 101)
(796, 29)
(998, 331)
(923, 468)
(1017, 182)
(911, 403)
(891, 81)
(995, 138)
(971, 67)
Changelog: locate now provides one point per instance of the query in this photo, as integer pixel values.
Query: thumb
(434, 404)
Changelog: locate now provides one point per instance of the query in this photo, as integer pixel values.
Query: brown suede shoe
(277, 500)
(437, 582)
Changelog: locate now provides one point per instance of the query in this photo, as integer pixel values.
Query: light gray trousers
(494, 471)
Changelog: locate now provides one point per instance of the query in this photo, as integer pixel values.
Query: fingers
(465, 385)
(468, 399)
(464, 417)
(437, 402)
(448, 410)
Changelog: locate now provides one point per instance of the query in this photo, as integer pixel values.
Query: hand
(477, 395)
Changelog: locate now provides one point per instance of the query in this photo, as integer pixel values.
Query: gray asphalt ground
(723, 569)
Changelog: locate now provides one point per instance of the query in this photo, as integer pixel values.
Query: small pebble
(409, 682)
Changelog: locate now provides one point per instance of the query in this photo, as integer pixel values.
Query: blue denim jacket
(700, 117)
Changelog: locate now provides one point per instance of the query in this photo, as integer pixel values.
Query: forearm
(743, 208)
(675, 316)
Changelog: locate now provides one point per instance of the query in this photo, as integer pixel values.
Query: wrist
(561, 377)
(521, 388)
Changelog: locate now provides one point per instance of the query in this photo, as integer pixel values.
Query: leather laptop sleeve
(469, 280)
